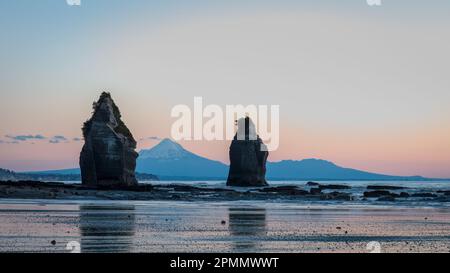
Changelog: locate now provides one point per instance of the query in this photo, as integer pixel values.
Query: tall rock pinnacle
(247, 158)
(108, 157)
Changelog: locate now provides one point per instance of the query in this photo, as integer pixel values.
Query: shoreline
(310, 192)
(39, 217)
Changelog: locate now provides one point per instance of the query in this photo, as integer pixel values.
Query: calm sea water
(357, 189)
(423, 185)
(433, 185)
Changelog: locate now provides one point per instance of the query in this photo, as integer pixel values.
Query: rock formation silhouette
(108, 157)
(248, 157)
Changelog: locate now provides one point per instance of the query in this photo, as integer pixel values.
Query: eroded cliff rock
(108, 157)
(248, 157)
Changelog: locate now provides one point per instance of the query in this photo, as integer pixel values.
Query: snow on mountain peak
(166, 149)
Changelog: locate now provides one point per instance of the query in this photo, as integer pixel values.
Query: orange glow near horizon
(420, 151)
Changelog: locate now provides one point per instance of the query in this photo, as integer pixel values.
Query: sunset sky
(364, 87)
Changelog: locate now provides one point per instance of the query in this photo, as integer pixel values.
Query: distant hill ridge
(57, 175)
(318, 169)
(170, 161)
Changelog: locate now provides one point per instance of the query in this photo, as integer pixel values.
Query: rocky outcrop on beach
(384, 187)
(183, 192)
(108, 157)
(248, 157)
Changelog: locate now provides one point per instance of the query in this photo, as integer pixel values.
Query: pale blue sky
(366, 87)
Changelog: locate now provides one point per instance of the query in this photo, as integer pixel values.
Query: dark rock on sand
(248, 157)
(337, 196)
(286, 190)
(386, 199)
(376, 187)
(334, 187)
(61, 191)
(404, 195)
(108, 157)
(424, 195)
(375, 194)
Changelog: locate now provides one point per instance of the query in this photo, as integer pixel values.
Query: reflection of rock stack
(108, 157)
(247, 225)
(107, 229)
(248, 157)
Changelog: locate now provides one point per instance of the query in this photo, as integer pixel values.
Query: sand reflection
(107, 229)
(247, 226)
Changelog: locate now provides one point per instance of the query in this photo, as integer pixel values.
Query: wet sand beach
(229, 226)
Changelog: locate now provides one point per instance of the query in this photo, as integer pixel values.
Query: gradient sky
(364, 87)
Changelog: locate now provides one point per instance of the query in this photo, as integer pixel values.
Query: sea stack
(248, 157)
(108, 157)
